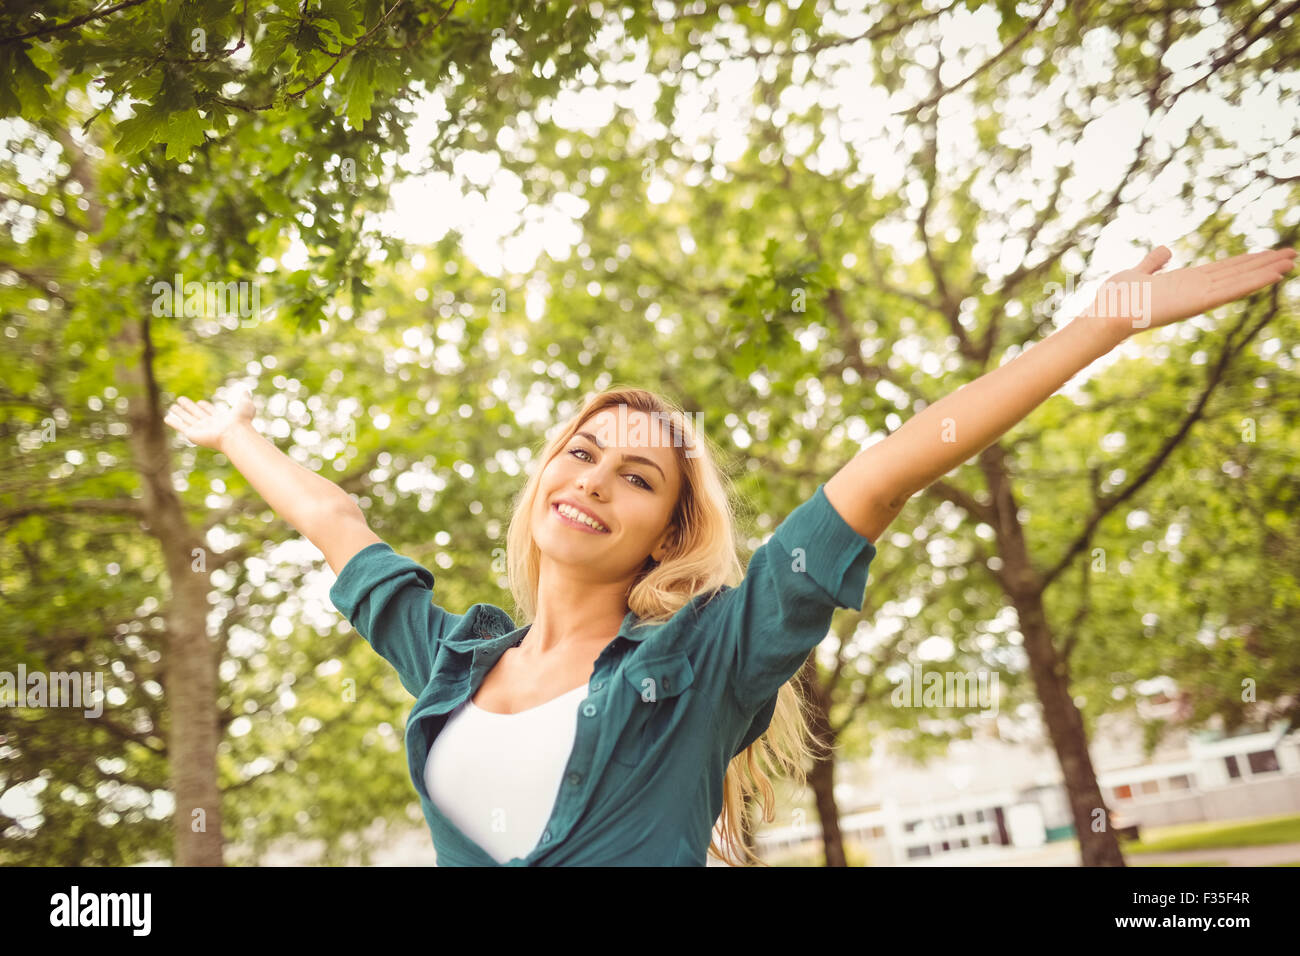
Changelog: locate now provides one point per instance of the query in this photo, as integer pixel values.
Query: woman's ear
(665, 542)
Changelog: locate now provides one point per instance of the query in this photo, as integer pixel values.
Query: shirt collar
(489, 625)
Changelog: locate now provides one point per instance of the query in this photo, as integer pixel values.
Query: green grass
(1208, 863)
(1196, 863)
(1214, 835)
(1217, 835)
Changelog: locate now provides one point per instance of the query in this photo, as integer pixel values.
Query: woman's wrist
(235, 431)
(1107, 330)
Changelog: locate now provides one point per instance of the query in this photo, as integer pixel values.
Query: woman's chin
(569, 552)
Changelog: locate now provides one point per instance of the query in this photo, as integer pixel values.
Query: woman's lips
(575, 524)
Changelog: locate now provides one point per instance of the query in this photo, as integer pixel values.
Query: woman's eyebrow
(592, 438)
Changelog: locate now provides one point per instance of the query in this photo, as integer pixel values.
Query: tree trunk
(822, 781)
(821, 777)
(190, 657)
(750, 832)
(1049, 672)
(1070, 740)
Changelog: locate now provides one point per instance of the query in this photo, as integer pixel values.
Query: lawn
(1216, 834)
(1264, 831)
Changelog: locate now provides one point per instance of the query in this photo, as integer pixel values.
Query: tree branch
(129, 507)
(943, 91)
(1214, 379)
(70, 24)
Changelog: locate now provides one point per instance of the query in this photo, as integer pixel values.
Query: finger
(190, 407)
(1228, 288)
(1247, 260)
(1275, 265)
(181, 415)
(207, 407)
(1155, 260)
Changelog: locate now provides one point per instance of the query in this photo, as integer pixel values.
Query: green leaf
(24, 87)
(10, 104)
(184, 131)
(139, 131)
(279, 31)
(358, 90)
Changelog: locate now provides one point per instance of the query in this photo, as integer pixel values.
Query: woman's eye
(582, 451)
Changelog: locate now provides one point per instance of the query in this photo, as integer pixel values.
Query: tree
(255, 130)
(772, 297)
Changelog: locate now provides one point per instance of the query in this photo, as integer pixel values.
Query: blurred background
(421, 233)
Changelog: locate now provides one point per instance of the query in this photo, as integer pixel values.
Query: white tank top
(497, 776)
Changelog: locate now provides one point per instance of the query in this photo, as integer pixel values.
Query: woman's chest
(515, 684)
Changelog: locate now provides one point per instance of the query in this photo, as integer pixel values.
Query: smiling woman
(629, 518)
(647, 689)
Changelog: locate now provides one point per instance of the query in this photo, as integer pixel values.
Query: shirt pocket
(655, 687)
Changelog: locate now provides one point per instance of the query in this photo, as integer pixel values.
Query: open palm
(204, 424)
(1145, 298)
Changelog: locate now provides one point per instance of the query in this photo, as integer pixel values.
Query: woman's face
(632, 499)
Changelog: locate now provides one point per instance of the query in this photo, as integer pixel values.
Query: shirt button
(589, 710)
(575, 778)
(546, 837)
(598, 685)
(667, 686)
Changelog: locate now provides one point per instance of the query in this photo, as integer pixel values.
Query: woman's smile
(575, 523)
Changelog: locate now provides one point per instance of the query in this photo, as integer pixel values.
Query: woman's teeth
(577, 515)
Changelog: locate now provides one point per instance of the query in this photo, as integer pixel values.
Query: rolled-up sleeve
(813, 563)
(388, 598)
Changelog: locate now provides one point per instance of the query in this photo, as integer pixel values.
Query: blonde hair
(701, 558)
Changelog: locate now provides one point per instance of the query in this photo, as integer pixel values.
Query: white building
(987, 796)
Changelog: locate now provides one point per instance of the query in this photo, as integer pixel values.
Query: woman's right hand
(205, 425)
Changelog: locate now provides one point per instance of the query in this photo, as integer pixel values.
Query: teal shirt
(668, 705)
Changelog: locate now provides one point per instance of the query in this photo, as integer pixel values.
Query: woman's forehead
(622, 427)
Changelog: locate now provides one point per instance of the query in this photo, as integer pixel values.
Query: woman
(630, 712)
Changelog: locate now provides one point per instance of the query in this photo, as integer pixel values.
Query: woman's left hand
(1145, 298)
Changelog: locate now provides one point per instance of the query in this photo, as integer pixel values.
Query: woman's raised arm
(318, 509)
(870, 491)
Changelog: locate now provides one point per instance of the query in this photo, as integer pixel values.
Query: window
(984, 839)
(946, 846)
(914, 851)
(1233, 770)
(1263, 761)
(964, 843)
(910, 825)
(1124, 793)
(1150, 786)
(961, 820)
(979, 816)
(877, 833)
(1180, 782)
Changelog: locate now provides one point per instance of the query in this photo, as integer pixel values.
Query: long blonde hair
(701, 558)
